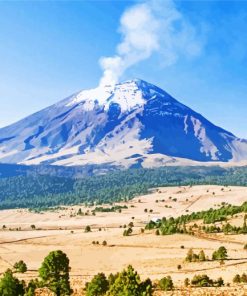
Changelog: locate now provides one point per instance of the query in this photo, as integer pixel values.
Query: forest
(40, 190)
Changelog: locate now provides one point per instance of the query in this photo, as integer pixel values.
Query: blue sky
(51, 49)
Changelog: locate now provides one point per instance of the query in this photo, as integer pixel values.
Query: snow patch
(127, 95)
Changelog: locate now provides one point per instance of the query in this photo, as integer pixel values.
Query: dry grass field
(151, 255)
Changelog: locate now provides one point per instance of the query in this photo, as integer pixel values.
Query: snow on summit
(128, 124)
(127, 95)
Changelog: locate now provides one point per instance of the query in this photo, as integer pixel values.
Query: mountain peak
(127, 95)
(130, 123)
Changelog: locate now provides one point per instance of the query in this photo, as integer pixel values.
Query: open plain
(30, 236)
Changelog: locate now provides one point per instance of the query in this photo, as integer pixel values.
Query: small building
(156, 220)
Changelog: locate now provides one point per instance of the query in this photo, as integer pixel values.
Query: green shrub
(220, 254)
(166, 284)
(201, 281)
(20, 266)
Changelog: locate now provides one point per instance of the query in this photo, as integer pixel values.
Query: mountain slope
(129, 124)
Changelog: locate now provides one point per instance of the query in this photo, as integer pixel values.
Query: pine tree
(202, 256)
(54, 273)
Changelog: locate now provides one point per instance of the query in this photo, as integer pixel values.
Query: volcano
(129, 124)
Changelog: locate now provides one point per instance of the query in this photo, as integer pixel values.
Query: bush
(127, 232)
(87, 228)
(201, 281)
(219, 282)
(166, 284)
(220, 254)
(131, 224)
(186, 282)
(20, 266)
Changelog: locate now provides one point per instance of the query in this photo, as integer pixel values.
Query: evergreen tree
(237, 279)
(98, 285)
(244, 278)
(202, 256)
(54, 273)
(10, 285)
(128, 283)
(189, 256)
(31, 287)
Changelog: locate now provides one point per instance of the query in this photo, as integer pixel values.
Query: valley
(28, 235)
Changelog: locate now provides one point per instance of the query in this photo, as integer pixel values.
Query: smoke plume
(152, 26)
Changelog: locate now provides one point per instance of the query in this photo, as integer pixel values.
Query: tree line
(178, 225)
(54, 275)
(37, 191)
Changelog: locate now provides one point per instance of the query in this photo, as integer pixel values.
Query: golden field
(151, 255)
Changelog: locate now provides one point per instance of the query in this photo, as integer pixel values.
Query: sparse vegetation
(240, 279)
(193, 257)
(205, 281)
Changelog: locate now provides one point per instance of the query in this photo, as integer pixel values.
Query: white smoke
(148, 27)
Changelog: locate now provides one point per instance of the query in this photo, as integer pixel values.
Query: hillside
(33, 191)
(131, 124)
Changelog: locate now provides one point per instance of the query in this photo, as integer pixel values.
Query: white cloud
(152, 26)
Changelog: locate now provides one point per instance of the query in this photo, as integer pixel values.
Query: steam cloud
(148, 27)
